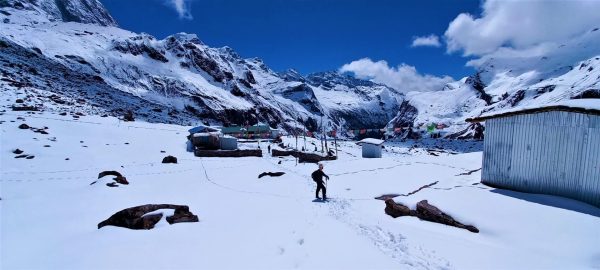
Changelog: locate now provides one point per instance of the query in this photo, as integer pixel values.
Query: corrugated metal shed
(548, 151)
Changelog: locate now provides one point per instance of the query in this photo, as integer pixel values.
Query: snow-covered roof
(204, 134)
(199, 129)
(589, 106)
(371, 141)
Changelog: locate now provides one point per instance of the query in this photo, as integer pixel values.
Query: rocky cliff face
(357, 103)
(81, 11)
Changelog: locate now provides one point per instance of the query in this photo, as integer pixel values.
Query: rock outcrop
(169, 159)
(425, 211)
(119, 178)
(272, 174)
(138, 217)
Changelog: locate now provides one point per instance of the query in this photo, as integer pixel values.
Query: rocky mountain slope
(82, 11)
(72, 49)
(501, 84)
(70, 56)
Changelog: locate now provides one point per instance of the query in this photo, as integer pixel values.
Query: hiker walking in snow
(317, 176)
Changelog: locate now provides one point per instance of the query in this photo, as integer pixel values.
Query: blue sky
(309, 35)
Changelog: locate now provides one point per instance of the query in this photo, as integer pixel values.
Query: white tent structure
(371, 148)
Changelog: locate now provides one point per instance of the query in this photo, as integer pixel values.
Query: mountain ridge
(179, 79)
(180, 72)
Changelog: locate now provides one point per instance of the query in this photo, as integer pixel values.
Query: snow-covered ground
(49, 211)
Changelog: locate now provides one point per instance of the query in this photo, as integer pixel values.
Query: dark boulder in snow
(272, 174)
(182, 214)
(396, 210)
(112, 184)
(119, 178)
(425, 211)
(169, 159)
(24, 126)
(138, 217)
(18, 151)
(429, 212)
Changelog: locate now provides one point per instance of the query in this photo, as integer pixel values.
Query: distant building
(553, 149)
(207, 140)
(251, 132)
(211, 138)
(371, 148)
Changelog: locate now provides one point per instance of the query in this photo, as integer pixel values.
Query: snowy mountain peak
(328, 79)
(186, 38)
(291, 75)
(81, 11)
(230, 52)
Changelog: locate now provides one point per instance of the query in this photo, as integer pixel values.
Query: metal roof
(586, 106)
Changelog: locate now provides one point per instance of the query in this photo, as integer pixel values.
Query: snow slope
(513, 81)
(49, 211)
(177, 75)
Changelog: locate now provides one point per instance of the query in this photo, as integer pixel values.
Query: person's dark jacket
(317, 176)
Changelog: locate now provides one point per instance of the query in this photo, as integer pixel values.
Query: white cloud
(520, 25)
(430, 41)
(404, 78)
(547, 58)
(182, 7)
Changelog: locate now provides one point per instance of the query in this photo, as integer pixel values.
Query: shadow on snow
(552, 201)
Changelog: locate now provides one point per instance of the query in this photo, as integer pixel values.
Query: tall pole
(325, 141)
(335, 143)
(304, 133)
(322, 148)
